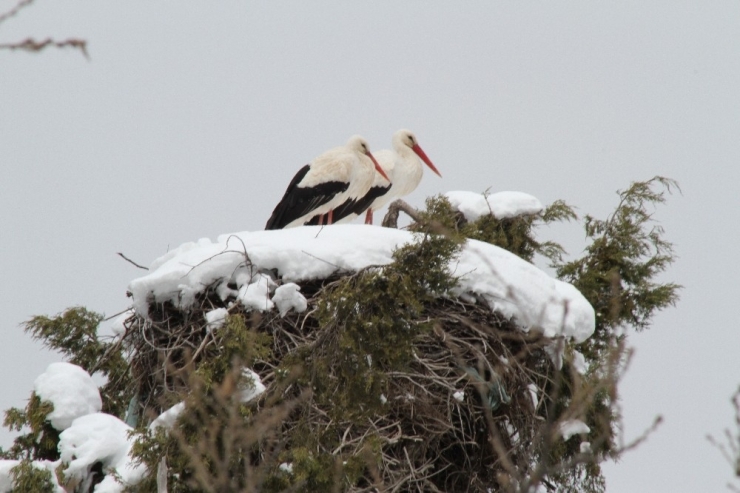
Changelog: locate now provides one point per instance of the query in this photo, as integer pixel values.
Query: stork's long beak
(377, 166)
(424, 158)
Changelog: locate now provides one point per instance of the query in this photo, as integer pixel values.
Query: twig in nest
(321, 259)
(131, 261)
(391, 217)
(31, 44)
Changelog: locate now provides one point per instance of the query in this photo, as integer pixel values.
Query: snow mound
(256, 294)
(252, 388)
(215, 319)
(99, 437)
(167, 419)
(573, 427)
(507, 283)
(71, 390)
(579, 362)
(287, 297)
(520, 290)
(501, 204)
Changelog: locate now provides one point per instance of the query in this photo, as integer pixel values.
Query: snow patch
(501, 204)
(167, 419)
(579, 362)
(287, 297)
(99, 437)
(533, 394)
(520, 290)
(256, 294)
(573, 427)
(71, 390)
(512, 432)
(215, 319)
(252, 386)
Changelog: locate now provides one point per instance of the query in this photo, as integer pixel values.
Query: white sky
(191, 118)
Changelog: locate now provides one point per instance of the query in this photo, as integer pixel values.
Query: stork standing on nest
(337, 176)
(403, 164)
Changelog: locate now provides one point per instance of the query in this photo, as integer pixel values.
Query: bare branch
(14, 11)
(32, 45)
(131, 261)
(391, 217)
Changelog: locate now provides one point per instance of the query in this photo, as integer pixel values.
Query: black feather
(352, 206)
(299, 201)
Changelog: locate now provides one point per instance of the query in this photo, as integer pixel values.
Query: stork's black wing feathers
(364, 203)
(299, 201)
(351, 206)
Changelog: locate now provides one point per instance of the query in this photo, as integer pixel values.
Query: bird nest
(458, 415)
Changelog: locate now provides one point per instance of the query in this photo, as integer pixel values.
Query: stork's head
(359, 144)
(405, 137)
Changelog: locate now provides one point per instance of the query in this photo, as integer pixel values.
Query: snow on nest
(509, 284)
(287, 297)
(573, 427)
(215, 319)
(501, 204)
(100, 437)
(71, 390)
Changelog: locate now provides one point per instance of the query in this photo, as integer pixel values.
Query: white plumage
(336, 176)
(403, 165)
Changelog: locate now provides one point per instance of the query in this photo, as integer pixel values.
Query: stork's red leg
(321, 219)
(369, 216)
(331, 217)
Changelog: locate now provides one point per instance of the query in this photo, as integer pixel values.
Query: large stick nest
(461, 416)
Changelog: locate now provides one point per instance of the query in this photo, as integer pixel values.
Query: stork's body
(403, 165)
(336, 176)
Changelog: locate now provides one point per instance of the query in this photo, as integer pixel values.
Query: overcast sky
(190, 119)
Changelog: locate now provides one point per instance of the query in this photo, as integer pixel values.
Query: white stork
(336, 176)
(403, 164)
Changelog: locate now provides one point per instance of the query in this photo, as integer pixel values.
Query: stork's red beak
(424, 158)
(377, 167)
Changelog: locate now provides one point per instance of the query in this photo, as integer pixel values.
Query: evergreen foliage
(27, 477)
(370, 320)
(515, 234)
(618, 270)
(74, 334)
(360, 387)
(40, 442)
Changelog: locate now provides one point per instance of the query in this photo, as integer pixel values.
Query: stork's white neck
(361, 176)
(408, 171)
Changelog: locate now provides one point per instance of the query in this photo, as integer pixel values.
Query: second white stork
(403, 164)
(340, 174)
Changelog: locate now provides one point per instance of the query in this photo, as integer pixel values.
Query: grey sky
(191, 118)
